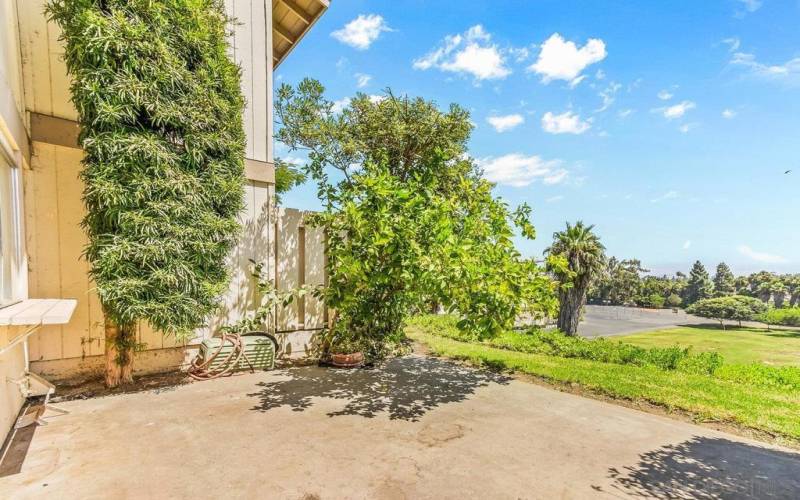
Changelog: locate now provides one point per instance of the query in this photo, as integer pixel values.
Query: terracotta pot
(351, 360)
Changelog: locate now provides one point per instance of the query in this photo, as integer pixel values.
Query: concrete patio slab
(418, 428)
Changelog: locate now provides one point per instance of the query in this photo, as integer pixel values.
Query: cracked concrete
(417, 428)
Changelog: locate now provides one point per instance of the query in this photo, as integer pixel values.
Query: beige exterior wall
(46, 82)
(13, 153)
(53, 207)
(12, 366)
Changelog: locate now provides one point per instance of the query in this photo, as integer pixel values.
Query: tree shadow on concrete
(405, 388)
(711, 468)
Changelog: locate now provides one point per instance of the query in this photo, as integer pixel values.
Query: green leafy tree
(408, 218)
(626, 282)
(742, 286)
(580, 247)
(778, 291)
(653, 301)
(674, 300)
(761, 285)
(736, 307)
(793, 289)
(287, 176)
(699, 286)
(160, 114)
(724, 281)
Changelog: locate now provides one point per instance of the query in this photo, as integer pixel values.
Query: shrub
(160, 114)
(555, 343)
(703, 363)
(674, 300)
(784, 317)
(787, 377)
(654, 301)
(736, 307)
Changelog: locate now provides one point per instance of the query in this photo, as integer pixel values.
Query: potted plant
(346, 349)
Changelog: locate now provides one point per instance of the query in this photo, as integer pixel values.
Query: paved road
(419, 428)
(606, 321)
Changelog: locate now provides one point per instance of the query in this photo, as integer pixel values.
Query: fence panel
(299, 260)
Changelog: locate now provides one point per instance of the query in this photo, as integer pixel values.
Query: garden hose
(201, 371)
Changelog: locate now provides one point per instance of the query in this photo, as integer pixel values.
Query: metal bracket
(31, 384)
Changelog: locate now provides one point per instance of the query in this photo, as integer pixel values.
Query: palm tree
(585, 257)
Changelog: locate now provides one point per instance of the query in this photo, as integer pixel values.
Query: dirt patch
(96, 388)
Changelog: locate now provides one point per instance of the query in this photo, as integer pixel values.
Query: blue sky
(668, 125)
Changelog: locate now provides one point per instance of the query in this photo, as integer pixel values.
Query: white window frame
(15, 259)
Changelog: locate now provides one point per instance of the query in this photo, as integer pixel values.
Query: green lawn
(773, 410)
(737, 345)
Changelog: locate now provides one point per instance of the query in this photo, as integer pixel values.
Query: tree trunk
(120, 343)
(569, 312)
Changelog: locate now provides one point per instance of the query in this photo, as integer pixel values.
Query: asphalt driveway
(418, 428)
(607, 321)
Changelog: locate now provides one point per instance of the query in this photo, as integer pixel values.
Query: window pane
(6, 232)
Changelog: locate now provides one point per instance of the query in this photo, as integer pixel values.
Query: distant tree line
(627, 282)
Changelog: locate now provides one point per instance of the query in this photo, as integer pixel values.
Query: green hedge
(677, 358)
(555, 343)
(160, 113)
(784, 317)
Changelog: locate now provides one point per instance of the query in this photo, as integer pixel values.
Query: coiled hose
(202, 371)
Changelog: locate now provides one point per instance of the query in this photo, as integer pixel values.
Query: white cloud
(574, 83)
(565, 123)
(751, 5)
(788, 72)
(676, 110)
(728, 114)
(506, 122)
(733, 43)
(687, 244)
(635, 85)
(361, 31)
(608, 95)
(600, 74)
(665, 95)
(294, 160)
(625, 113)
(519, 54)
(362, 80)
(764, 257)
(687, 127)
(472, 53)
(338, 106)
(555, 177)
(554, 199)
(518, 170)
(560, 59)
(669, 195)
